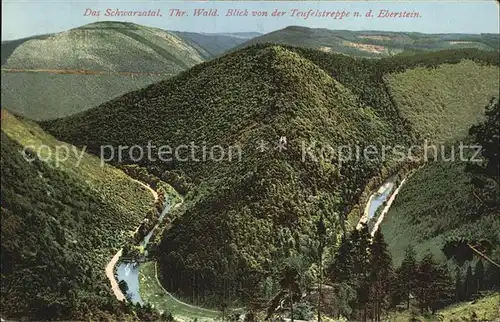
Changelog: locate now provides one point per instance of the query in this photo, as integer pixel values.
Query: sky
(23, 18)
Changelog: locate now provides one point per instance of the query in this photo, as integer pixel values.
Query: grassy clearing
(485, 309)
(151, 292)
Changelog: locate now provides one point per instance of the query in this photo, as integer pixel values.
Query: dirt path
(155, 194)
(110, 267)
(110, 274)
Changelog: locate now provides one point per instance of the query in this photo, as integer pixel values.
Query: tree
(124, 288)
(407, 274)
(486, 174)
(469, 283)
(321, 232)
(492, 276)
(304, 311)
(361, 242)
(479, 276)
(339, 299)
(290, 282)
(434, 285)
(459, 289)
(487, 134)
(223, 308)
(380, 274)
(443, 286)
(342, 267)
(290, 279)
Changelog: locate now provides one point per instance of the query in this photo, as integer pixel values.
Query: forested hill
(243, 217)
(83, 67)
(374, 44)
(61, 223)
(470, 216)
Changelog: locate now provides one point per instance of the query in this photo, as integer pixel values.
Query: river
(379, 198)
(129, 270)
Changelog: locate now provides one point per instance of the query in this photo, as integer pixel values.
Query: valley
(331, 210)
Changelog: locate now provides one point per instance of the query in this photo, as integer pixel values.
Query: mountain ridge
(373, 43)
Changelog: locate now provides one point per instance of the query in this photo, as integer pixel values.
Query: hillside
(374, 44)
(243, 217)
(68, 72)
(419, 217)
(61, 224)
(485, 309)
(412, 89)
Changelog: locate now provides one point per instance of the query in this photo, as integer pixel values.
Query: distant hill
(374, 44)
(212, 45)
(64, 73)
(244, 217)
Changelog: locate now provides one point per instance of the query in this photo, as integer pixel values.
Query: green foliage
(434, 285)
(405, 278)
(487, 135)
(381, 275)
(340, 300)
(64, 94)
(450, 105)
(469, 283)
(60, 226)
(484, 309)
(242, 219)
(362, 274)
(420, 217)
(290, 288)
(303, 311)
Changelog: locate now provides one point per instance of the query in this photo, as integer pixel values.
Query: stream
(129, 270)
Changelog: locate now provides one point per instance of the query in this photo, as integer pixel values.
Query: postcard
(250, 160)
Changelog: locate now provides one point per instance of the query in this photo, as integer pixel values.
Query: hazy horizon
(254, 31)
